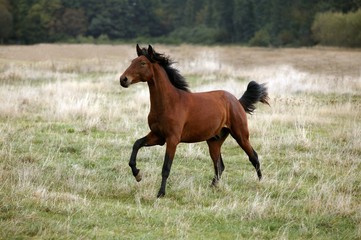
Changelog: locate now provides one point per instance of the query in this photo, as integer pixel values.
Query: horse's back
(218, 101)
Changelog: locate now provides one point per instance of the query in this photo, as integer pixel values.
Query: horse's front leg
(133, 162)
(149, 140)
(168, 160)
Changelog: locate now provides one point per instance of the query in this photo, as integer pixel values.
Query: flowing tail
(255, 93)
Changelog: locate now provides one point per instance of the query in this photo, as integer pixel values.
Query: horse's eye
(143, 63)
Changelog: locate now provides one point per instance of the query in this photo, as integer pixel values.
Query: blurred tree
(6, 21)
(73, 22)
(279, 22)
(39, 22)
(75, 4)
(124, 19)
(338, 29)
(223, 15)
(144, 18)
(172, 14)
(192, 14)
(210, 13)
(243, 20)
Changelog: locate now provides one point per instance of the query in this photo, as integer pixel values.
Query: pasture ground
(67, 130)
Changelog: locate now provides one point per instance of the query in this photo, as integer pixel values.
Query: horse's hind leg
(214, 145)
(243, 142)
(255, 162)
(218, 169)
(253, 158)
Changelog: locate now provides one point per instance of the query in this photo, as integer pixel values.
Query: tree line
(250, 22)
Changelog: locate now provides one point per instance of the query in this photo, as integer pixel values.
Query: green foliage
(261, 38)
(198, 34)
(338, 29)
(279, 22)
(6, 20)
(243, 20)
(38, 22)
(74, 22)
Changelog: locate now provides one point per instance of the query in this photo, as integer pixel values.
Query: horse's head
(140, 70)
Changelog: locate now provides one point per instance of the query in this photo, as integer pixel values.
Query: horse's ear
(139, 51)
(151, 52)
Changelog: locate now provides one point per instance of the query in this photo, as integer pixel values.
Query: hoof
(138, 177)
(259, 174)
(160, 195)
(259, 177)
(214, 182)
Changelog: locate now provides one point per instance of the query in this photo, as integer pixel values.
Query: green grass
(65, 175)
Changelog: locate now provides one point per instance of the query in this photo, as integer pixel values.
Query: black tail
(255, 93)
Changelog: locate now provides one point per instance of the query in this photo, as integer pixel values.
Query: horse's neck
(162, 92)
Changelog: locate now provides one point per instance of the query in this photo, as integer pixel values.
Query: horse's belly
(201, 132)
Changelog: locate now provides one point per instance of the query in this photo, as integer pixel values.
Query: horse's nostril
(123, 80)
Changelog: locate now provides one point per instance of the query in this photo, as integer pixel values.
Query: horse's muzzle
(124, 82)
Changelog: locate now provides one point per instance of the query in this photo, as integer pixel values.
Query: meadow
(67, 130)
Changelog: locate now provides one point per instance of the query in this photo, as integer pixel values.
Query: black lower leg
(165, 174)
(161, 192)
(222, 165)
(132, 163)
(218, 169)
(215, 179)
(255, 162)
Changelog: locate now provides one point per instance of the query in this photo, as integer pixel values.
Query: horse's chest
(161, 125)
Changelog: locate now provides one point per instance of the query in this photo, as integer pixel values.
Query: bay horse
(178, 115)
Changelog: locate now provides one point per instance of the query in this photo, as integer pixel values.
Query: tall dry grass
(61, 73)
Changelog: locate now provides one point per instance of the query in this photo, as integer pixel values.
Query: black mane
(174, 76)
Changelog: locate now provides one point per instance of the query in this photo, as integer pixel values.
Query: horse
(178, 115)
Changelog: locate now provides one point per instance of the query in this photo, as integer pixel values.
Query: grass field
(67, 130)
